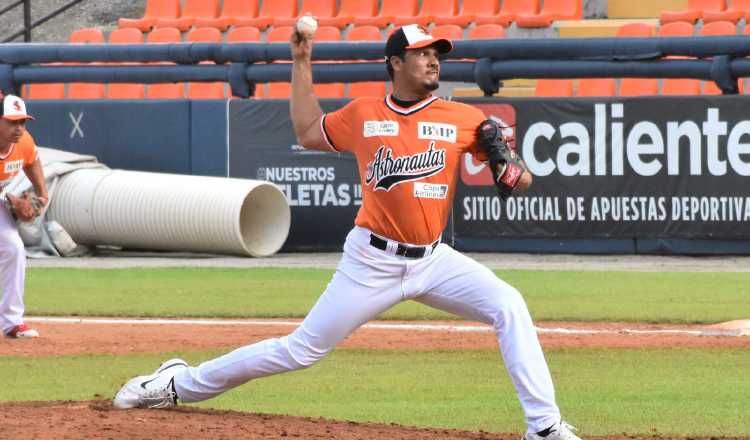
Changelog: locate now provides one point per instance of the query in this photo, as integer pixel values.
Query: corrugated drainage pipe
(172, 212)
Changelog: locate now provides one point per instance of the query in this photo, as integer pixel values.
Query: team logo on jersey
(380, 128)
(386, 171)
(13, 166)
(437, 132)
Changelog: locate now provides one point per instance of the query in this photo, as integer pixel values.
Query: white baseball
(307, 25)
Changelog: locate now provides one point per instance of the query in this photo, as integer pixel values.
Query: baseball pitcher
(408, 147)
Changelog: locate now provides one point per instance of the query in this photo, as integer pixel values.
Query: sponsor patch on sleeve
(430, 190)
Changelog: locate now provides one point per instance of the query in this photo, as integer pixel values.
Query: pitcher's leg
(12, 271)
(459, 285)
(344, 306)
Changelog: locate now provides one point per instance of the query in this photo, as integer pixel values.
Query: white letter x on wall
(76, 125)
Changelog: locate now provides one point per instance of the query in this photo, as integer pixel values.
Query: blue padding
(692, 246)
(545, 245)
(208, 137)
(135, 135)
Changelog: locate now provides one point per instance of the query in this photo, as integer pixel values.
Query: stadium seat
(678, 86)
(154, 9)
(371, 88)
(193, 10)
(554, 87)
(331, 90)
(487, 31)
(44, 91)
(279, 90)
(448, 31)
(268, 11)
(126, 91)
(431, 9)
(231, 12)
(635, 30)
(165, 91)
(205, 90)
(390, 10)
(552, 10)
(739, 9)
(694, 12)
(713, 29)
(350, 11)
(245, 34)
(510, 10)
(596, 87)
(317, 8)
(468, 13)
(639, 87)
(86, 90)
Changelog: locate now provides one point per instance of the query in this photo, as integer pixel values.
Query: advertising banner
(617, 168)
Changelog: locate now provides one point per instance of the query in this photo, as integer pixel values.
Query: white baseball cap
(14, 109)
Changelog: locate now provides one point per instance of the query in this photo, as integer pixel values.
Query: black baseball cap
(413, 36)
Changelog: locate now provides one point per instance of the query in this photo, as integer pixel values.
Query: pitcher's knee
(302, 353)
(509, 304)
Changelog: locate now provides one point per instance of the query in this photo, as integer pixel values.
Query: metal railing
(27, 24)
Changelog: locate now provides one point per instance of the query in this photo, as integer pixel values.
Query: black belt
(402, 250)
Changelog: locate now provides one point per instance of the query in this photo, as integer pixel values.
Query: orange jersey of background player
(408, 160)
(21, 154)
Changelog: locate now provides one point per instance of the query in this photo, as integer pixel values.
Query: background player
(17, 152)
(408, 147)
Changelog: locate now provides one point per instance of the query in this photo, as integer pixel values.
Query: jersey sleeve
(30, 153)
(339, 127)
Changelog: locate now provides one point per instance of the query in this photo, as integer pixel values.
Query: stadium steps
(511, 88)
(642, 9)
(593, 28)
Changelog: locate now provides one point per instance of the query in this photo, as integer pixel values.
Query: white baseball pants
(12, 271)
(369, 281)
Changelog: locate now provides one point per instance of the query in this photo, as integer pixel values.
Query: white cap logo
(14, 108)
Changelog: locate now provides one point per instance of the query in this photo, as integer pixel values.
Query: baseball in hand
(307, 25)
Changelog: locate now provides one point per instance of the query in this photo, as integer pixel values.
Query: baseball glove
(25, 208)
(505, 163)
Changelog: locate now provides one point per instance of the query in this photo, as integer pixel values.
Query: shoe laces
(566, 431)
(162, 397)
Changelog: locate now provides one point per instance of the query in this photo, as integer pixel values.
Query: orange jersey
(408, 160)
(20, 155)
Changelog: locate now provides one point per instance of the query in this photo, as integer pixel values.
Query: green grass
(276, 292)
(640, 392)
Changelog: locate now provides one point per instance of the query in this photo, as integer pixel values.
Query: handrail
(27, 24)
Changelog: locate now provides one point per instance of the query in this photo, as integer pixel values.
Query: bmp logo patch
(437, 132)
(380, 128)
(13, 166)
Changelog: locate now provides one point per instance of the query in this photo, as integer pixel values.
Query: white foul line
(381, 326)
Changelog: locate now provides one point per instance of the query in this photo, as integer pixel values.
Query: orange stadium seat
(448, 31)
(165, 91)
(596, 87)
(126, 91)
(390, 10)
(332, 90)
(431, 9)
(678, 86)
(154, 9)
(487, 31)
(193, 10)
(739, 9)
(268, 11)
(694, 12)
(86, 90)
(205, 90)
(635, 30)
(44, 91)
(317, 8)
(468, 12)
(232, 11)
(713, 29)
(554, 87)
(552, 10)
(350, 11)
(372, 88)
(510, 10)
(279, 90)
